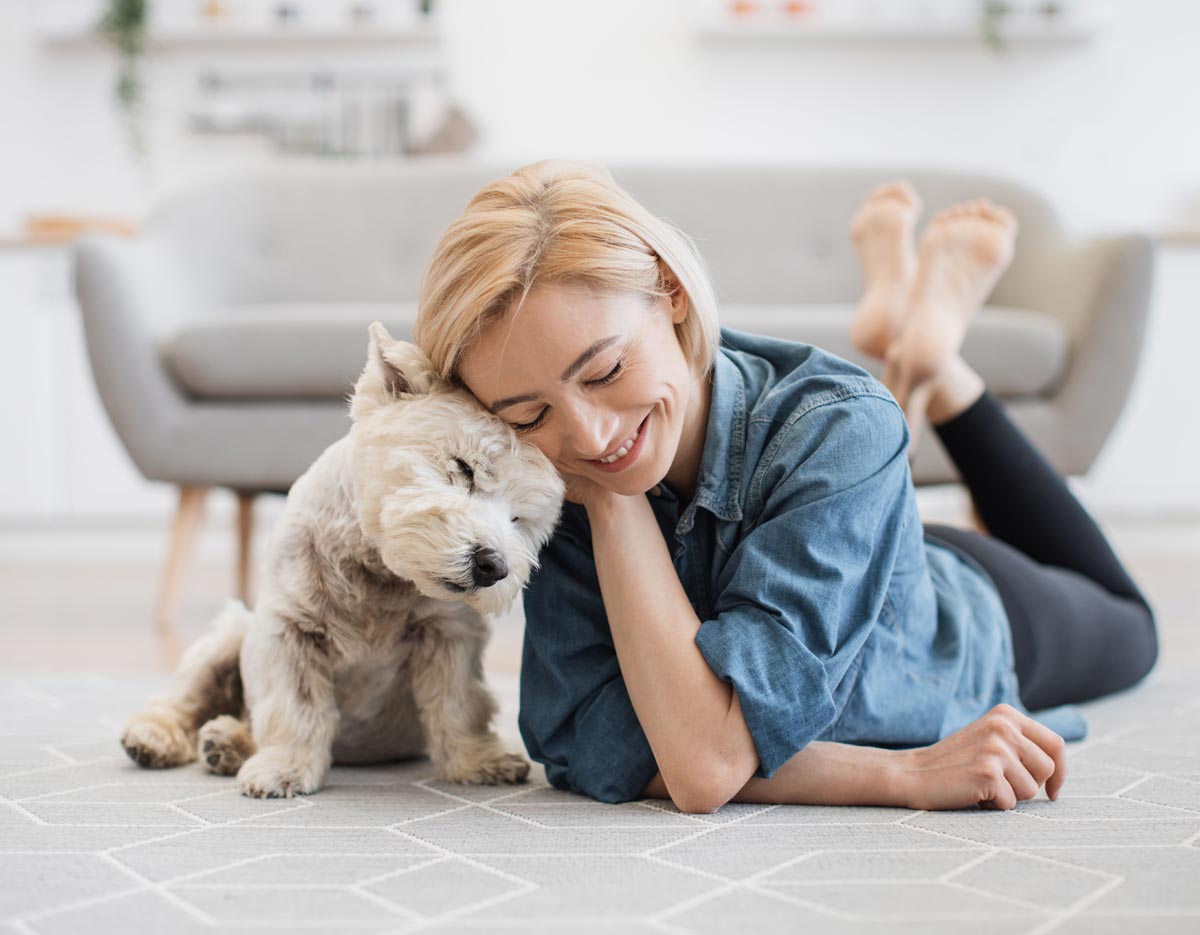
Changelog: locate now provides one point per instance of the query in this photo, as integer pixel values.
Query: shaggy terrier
(367, 641)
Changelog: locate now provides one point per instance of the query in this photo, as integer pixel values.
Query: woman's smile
(626, 454)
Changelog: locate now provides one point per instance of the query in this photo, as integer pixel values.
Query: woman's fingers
(1004, 799)
(1029, 753)
(1037, 761)
(1054, 747)
(1023, 784)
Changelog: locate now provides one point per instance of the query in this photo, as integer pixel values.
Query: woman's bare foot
(962, 255)
(882, 231)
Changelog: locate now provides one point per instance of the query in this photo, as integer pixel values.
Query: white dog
(367, 641)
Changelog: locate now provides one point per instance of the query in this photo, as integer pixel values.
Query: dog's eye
(466, 471)
(516, 519)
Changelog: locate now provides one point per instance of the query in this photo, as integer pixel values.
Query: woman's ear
(676, 294)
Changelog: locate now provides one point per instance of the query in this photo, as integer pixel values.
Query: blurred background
(1091, 105)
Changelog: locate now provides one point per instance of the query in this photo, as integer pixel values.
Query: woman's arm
(704, 750)
(1000, 759)
(690, 717)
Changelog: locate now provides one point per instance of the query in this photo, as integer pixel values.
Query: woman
(740, 602)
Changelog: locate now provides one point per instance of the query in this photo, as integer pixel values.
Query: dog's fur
(366, 643)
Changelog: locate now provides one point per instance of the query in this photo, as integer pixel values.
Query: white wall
(1107, 127)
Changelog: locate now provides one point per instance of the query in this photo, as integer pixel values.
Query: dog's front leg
(456, 710)
(288, 677)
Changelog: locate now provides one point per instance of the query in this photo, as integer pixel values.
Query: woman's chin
(637, 480)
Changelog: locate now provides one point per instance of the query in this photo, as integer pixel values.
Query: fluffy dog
(367, 641)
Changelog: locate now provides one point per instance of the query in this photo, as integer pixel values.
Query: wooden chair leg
(188, 516)
(245, 533)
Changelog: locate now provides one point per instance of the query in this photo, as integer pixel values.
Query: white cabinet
(61, 458)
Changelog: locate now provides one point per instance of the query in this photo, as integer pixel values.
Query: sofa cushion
(307, 350)
(1016, 351)
(280, 350)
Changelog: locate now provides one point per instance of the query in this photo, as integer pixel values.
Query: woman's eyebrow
(573, 369)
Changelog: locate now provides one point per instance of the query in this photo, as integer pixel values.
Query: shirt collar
(718, 485)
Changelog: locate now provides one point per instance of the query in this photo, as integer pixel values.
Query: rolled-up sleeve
(576, 717)
(799, 592)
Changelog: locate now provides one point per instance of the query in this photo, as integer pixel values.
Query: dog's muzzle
(488, 567)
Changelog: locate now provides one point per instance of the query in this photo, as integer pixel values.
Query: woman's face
(586, 376)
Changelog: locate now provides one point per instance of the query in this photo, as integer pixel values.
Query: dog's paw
(275, 773)
(491, 770)
(157, 740)
(225, 744)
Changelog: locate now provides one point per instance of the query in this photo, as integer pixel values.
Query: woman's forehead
(548, 332)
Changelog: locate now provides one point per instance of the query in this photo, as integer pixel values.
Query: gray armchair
(225, 337)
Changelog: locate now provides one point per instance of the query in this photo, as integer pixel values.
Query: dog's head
(455, 502)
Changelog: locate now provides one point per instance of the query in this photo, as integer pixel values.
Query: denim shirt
(803, 555)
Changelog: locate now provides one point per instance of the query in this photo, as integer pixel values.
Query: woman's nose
(589, 430)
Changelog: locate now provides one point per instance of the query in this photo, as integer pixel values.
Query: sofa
(226, 335)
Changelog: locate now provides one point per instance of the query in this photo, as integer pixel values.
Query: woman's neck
(684, 473)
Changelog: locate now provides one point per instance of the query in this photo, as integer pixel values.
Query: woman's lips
(630, 456)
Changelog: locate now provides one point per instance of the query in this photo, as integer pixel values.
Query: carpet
(90, 843)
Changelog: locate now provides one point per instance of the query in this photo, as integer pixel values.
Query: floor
(90, 843)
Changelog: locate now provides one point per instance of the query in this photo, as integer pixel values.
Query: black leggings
(1080, 626)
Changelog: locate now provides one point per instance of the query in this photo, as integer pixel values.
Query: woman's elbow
(698, 802)
(705, 787)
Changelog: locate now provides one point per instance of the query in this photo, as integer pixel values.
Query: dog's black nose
(488, 567)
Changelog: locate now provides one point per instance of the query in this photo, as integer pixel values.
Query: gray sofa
(225, 337)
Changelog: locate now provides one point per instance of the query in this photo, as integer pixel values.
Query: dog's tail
(210, 672)
(207, 685)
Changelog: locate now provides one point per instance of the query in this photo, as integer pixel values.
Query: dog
(366, 643)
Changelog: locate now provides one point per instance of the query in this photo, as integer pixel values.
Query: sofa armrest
(127, 299)
(1106, 347)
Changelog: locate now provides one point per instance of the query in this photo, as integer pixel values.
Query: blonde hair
(565, 223)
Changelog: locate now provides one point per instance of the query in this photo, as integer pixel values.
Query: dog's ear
(394, 369)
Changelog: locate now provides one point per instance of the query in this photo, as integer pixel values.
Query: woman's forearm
(690, 716)
(826, 774)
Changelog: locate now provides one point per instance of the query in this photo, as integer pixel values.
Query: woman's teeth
(623, 450)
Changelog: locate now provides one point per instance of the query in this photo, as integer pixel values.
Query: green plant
(995, 13)
(123, 26)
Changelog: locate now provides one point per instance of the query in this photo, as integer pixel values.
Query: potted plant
(123, 26)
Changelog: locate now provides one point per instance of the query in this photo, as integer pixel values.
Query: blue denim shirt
(803, 556)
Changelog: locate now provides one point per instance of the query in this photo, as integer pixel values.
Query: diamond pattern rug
(90, 843)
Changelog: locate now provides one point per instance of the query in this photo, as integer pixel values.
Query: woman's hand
(996, 761)
(579, 489)
(587, 493)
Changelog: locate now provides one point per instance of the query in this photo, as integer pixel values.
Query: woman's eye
(608, 377)
(530, 426)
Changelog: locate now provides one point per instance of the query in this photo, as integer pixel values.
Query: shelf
(1074, 30)
(284, 36)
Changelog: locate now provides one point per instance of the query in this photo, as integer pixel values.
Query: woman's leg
(1081, 627)
(1073, 640)
(1021, 499)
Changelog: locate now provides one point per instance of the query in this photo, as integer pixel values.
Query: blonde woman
(741, 602)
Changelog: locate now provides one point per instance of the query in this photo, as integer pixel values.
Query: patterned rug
(89, 843)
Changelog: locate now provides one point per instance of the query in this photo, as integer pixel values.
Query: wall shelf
(1074, 31)
(241, 36)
